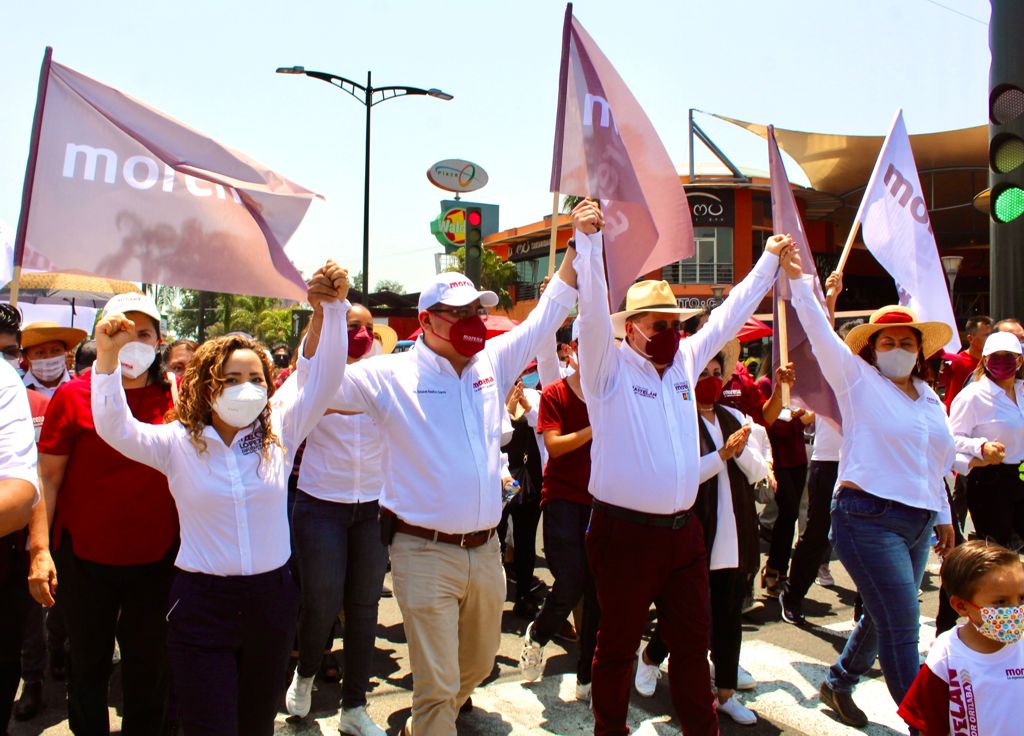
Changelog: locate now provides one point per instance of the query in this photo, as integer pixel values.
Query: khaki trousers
(451, 600)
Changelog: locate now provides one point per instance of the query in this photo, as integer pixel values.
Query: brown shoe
(842, 703)
(771, 582)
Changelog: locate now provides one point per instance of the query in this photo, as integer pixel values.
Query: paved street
(788, 662)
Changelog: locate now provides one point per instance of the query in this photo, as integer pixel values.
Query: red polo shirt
(118, 511)
(954, 374)
(567, 476)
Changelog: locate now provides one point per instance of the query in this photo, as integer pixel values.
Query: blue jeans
(341, 562)
(884, 546)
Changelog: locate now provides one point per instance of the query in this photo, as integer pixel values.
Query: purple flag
(811, 390)
(118, 189)
(606, 148)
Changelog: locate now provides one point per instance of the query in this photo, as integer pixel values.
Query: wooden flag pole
(783, 337)
(553, 248)
(854, 229)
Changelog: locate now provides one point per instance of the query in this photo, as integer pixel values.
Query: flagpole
(556, 157)
(854, 229)
(553, 248)
(30, 175)
(783, 337)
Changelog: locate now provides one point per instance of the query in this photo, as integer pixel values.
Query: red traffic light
(473, 217)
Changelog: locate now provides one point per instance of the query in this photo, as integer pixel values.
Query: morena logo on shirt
(1015, 673)
(683, 389)
(963, 715)
(483, 383)
(645, 392)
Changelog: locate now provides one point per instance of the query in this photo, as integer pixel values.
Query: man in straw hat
(644, 546)
(45, 346)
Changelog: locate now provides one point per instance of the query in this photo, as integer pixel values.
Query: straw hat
(934, 335)
(388, 337)
(36, 333)
(649, 296)
(730, 354)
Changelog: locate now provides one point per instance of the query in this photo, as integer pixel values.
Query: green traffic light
(1009, 204)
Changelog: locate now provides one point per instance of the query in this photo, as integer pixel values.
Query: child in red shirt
(973, 679)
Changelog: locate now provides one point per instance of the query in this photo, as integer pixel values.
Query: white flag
(898, 232)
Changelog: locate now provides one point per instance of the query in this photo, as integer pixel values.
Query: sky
(814, 65)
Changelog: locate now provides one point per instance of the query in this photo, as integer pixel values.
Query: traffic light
(474, 244)
(1006, 159)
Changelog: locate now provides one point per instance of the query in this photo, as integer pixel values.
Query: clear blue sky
(817, 65)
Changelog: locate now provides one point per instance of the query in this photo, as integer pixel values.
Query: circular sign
(450, 227)
(456, 175)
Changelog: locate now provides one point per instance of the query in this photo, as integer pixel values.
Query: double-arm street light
(369, 96)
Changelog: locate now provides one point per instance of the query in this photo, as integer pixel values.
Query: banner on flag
(606, 148)
(116, 188)
(897, 230)
(811, 390)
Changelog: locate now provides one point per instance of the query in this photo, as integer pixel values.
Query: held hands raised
(587, 217)
(330, 283)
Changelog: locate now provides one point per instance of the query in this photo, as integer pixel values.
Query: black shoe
(792, 612)
(525, 609)
(842, 703)
(30, 703)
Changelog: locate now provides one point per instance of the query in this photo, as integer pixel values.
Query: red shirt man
(959, 367)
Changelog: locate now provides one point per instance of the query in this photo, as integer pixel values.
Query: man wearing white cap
(439, 408)
(644, 545)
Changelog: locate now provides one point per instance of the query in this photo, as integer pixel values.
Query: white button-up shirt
(645, 454)
(232, 504)
(35, 384)
(442, 431)
(343, 460)
(18, 457)
(893, 447)
(828, 442)
(982, 413)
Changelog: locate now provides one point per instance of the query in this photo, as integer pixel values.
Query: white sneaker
(531, 659)
(737, 711)
(825, 578)
(356, 722)
(300, 695)
(583, 692)
(647, 675)
(744, 680)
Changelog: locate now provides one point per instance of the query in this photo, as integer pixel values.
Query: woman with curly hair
(227, 451)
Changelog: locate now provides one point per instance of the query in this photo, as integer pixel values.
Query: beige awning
(839, 164)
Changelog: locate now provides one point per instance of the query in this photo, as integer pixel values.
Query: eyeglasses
(663, 324)
(12, 352)
(462, 312)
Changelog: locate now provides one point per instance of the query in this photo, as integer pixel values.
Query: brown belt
(468, 541)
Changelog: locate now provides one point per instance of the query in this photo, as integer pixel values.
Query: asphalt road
(788, 662)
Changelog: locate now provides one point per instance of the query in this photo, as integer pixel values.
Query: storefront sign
(456, 175)
(529, 249)
(450, 227)
(712, 207)
(694, 302)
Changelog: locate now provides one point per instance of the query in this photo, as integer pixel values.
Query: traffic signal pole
(1006, 160)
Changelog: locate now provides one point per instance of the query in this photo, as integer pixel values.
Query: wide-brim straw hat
(649, 296)
(730, 355)
(934, 335)
(36, 333)
(388, 337)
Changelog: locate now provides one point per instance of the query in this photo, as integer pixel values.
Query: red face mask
(662, 347)
(708, 390)
(466, 335)
(360, 340)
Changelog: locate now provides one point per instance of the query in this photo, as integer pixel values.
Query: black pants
(947, 616)
(525, 515)
(995, 497)
(728, 588)
(787, 498)
(813, 543)
(129, 601)
(228, 643)
(14, 603)
(565, 530)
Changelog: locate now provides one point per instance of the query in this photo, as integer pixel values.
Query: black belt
(670, 521)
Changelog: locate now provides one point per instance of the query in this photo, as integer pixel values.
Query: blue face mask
(530, 380)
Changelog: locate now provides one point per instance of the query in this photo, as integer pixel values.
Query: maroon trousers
(634, 566)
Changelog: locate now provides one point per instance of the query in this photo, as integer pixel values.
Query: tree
(569, 202)
(495, 274)
(389, 285)
(264, 318)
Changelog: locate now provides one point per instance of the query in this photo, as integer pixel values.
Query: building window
(531, 273)
(711, 262)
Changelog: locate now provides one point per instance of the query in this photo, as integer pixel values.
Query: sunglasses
(462, 312)
(663, 324)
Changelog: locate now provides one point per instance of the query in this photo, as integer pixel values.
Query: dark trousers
(341, 562)
(14, 603)
(995, 497)
(129, 602)
(525, 515)
(634, 566)
(565, 531)
(947, 616)
(787, 498)
(228, 643)
(813, 543)
(728, 588)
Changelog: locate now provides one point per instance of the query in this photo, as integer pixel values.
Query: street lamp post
(365, 95)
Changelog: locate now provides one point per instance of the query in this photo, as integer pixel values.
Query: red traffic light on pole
(474, 244)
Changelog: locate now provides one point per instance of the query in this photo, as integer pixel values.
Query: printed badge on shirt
(683, 389)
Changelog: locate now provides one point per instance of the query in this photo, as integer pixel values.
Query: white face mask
(49, 369)
(239, 406)
(136, 358)
(896, 363)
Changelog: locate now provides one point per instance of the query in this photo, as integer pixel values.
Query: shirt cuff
(105, 383)
(802, 288)
(342, 306)
(588, 244)
(945, 515)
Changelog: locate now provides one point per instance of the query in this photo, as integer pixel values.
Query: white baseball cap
(453, 289)
(131, 302)
(1001, 341)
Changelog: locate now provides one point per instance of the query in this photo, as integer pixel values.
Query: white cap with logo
(453, 289)
(1001, 342)
(131, 302)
